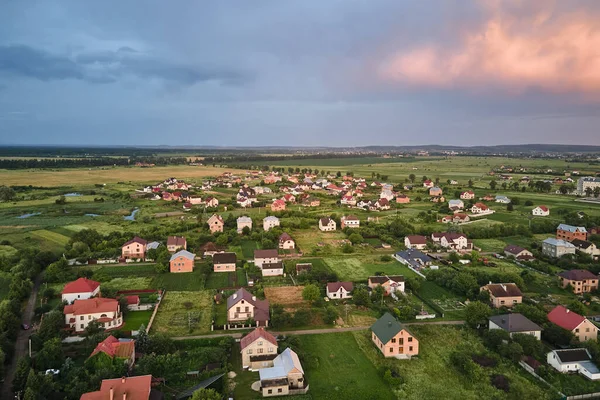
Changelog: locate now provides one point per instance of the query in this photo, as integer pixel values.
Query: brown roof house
(134, 248)
(268, 256)
(339, 290)
(517, 252)
(350, 221)
(215, 223)
(393, 339)
(415, 242)
(503, 294)
(579, 280)
(210, 249)
(391, 283)
(327, 224)
(286, 242)
(224, 262)
(242, 306)
(259, 349)
(285, 377)
(175, 243)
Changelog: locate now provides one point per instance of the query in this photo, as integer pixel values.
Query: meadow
(356, 269)
(184, 313)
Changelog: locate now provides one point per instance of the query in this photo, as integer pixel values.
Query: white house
(339, 290)
(515, 323)
(269, 256)
(106, 311)
(456, 204)
(415, 242)
(351, 221)
(270, 222)
(80, 289)
(327, 224)
(573, 360)
(468, 195)
(243, 222)
(286, 242)
(272, 269)
(541, 211)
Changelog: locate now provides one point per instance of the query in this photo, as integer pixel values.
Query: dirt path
(21, 344)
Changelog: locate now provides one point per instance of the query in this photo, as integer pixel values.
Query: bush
(385, 258)
(500, 382)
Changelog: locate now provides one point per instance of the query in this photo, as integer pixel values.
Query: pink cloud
(550, 51)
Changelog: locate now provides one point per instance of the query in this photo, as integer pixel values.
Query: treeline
(87, 162)
(241, 158)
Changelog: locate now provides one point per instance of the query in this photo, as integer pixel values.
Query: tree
(588, 191)
(21, 374)
(356, 238)
(361, 297)
(577, 306)
(301, 317)
(477, 314)
(534, 313)
(413, 283)
(470, 183)
(50, 356)
(331, 315)
(412, 178)
(530, 344)
(206, 394)
(510, 207)
(6, 193)
(512, 351)
(378, 293)
(51, 326)
(493, 185)
(311, 293)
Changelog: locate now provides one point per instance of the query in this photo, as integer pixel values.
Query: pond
(131, 217)
(28, 215)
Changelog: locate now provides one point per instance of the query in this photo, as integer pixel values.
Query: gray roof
(282, 365)
(183, 253)
(572, 355)
(571, 228)
(244, 219)
(270, 218)
(386, 327)
(558, 242)
(153, 245)
(515, 323)
(224, 258)
(413, 254)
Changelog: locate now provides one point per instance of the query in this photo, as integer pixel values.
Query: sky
(299, 73)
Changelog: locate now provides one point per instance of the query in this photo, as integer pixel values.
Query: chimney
(568, 311)
(122, 379)
(490, 283)
(112, 394)
(124, 396)
(254, 298)
(235, 296)
(389, 323)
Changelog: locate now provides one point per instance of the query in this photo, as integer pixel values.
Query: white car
(52, 371)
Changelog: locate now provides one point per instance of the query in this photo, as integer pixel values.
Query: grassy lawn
(190, 281)
(248, 247)
(127, 284)
(221, 280)
(184, 313)
(336, 368)
(134, 319)
(359, 269)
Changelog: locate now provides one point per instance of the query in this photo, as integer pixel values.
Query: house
(390, 283)
(286, 242)
(579, 280)
(517, 252)
(258, 349)
(278, 205)
(515, 323)
(456, 204)
(458, 218)
(413, 258)
(269, 256)
(580, 326)
(284, 378)
(437, 199)
(270, 222)
(541, 211)
(488, 197)
(468, 195)
(134, 249)
(435, 191)
(244, 202)
(339, 290)
(348, 201)
(327, 224)
(120, 349)
(242, 306)
(557, 248)
(387, 194)
(382, 204)
(224, 262)
(573, 360)
(570, 232)
(175, 243)
(428, 183)
(211, 202)
(311, 202)
(393, 339)
(351, 221)
(587, 182)
(415, 242)
(125, 388)
(402, 199)
(195, 200)
(243, 222)
(80, 289)
(215, 223)
(503, 294)
(586, 247)
(303, 268)
(289, 198)
(453, 241)
(210, 249)
(182, 261)
(272, 268)
(502, 199)
(480, 208)
(106, 311)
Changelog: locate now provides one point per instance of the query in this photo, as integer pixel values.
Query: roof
(565, 318)
(261, 312)
(385, 278)
(335, 286)
(176, 241)
(386, 327)
(113, 347)
(581, 244)
(571, 228)
(514, 249)
(558, 242)
(543, 208)
(282, 365)
(275, 265)
(417, 239)
(224, 258)
(134, 299)
(136, 239)
(133, 387)
(183, 253)
(153, 245)
(81, 285)
(325, 220)
(481, 206)
(350, 218)
(572, 355)
(93, 305)
(256, 334)
(271, 218)
(215, 216)
(413, 254)
(268, 253)
(578, 275)
(515, 323)
(504, 289)
(285, 237)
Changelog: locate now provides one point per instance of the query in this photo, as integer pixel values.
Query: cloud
(516, 49)
(107, 67)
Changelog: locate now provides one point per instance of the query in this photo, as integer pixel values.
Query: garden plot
(287, 296)
(184, 313)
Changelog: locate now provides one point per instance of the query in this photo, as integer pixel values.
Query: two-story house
(557, 248)
(285, 377)
(175, 243)
(258, 349)
(270, 222)
(350, 221)
(134, 249)
(244, 222)
(215, 223)
(268, 256)
(393, 339)
(415, 242)
(327, 224)
(286, 242)
(570, 232)
(224, 262)
(339, 290)
(390, 283)
(106, 311)
(580, 326)
(503, 294)
(578, 280)
(242, 306)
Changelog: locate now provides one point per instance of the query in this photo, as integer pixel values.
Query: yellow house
(503, 294)
(259, 349)
(392, 339)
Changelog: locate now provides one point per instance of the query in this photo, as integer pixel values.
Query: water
(92, 215)
(28, 215)
(131, 217)
(72, 194)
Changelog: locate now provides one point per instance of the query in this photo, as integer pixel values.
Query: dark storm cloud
(106, 67)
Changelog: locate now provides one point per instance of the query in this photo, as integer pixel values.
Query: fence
(164, 293)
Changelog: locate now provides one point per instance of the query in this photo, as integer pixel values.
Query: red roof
(81, 285)
(481, 206)
(115, 348)
(134, 387)
(255, 334)
(543, 208)
(417, 239)
(133, 299)
(93, 305)
(565, 318)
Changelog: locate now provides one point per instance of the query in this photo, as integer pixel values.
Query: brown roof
(417, 239)
(504, 289)
(385, 278)
(325, 221)
(268, 253)
(351, 218)
(335, 286)
(284, 237)
(578, 275)
(176, 241)
(261, 311)
(513, 249)
(255, 334)
(136, 240)
(93, 305)
(224, 258)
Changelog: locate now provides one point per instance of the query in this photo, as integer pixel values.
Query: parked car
(25, 327)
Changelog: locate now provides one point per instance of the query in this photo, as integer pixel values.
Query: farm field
(287, 296)
(359, 269)
(184, 313)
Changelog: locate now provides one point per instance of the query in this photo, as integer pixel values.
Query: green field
(134, 319)
(359, 269)
(184, 313)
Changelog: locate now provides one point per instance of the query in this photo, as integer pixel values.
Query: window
(270, 391)
(249, 351)
(260, 343)
(391, 349)
(259, 351)
(81, 318)
(247, 309)
(410, 348)
(394, 340)
(577, 330)
(501, 301)
(237, 309)
(270, 349)
(279, 390)
(587, 329)
(410, 339)
(81, 326)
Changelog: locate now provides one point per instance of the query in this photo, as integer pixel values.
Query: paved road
(315, 331)
(22, 343)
